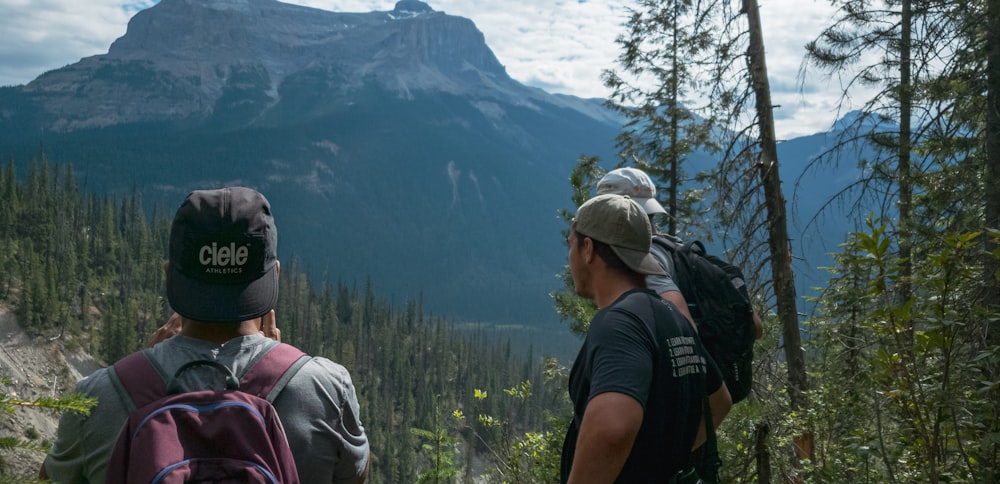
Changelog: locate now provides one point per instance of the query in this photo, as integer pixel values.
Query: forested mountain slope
(391, 144)
(85, 277)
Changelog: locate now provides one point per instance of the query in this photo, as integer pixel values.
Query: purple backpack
(231, 435)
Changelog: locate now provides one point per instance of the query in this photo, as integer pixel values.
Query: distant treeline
(89, 269)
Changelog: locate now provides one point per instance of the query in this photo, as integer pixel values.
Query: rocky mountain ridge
(161, 70)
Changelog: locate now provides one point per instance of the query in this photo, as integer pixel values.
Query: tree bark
(672, 224)
(777, 223)
(761, 434)
(991, 285)
(991, 297)
(905, 288)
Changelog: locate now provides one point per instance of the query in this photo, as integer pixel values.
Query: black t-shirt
(643, 347)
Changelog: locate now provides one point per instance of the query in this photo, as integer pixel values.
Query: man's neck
(219, 332)
(612, 286)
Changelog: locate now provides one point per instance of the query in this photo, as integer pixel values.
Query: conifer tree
(665, 46)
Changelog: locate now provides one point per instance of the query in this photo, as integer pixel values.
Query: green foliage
(572, 308)
(9, 443)
(901, 394)
(440, 449)
(405, 366)
(521, 453)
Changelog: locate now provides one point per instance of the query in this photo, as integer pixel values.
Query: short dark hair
(606, 253)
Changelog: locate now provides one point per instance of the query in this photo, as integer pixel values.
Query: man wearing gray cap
(639, 381)
(222, 280)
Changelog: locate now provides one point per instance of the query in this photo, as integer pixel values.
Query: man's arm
(720, 402)
(610, 425)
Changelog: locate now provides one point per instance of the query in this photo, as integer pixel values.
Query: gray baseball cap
(634, 183)
(620, 222)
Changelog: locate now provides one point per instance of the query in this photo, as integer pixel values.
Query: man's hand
(269, 327)
(169, 329)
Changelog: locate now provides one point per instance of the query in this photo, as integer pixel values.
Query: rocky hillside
(38, 368)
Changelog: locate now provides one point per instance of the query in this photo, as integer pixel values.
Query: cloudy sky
(558, 45)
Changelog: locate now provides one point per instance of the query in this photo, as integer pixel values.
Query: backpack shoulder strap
(273, 371)
(696, 247)
(137, 381)
(667, 241)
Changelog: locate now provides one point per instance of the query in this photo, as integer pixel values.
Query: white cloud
(41, 35)
(561, 46)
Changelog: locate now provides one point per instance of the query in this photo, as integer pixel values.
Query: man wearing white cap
(640, 379)
(639, 186)
(636, 184)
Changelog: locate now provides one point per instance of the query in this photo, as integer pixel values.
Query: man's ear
(277, 266)
(166, 267)
(587, 250)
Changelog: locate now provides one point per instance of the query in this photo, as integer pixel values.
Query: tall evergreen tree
(665, 46)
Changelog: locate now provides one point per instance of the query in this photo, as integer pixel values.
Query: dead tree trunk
(991, 285)
(777, 224)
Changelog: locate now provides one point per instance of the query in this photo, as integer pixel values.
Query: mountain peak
(410, 8)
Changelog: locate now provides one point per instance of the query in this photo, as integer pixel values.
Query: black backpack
(717, 298)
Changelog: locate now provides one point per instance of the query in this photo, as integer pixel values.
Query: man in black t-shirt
(639, 383)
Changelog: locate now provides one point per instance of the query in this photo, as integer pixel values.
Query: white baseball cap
(632, 182)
